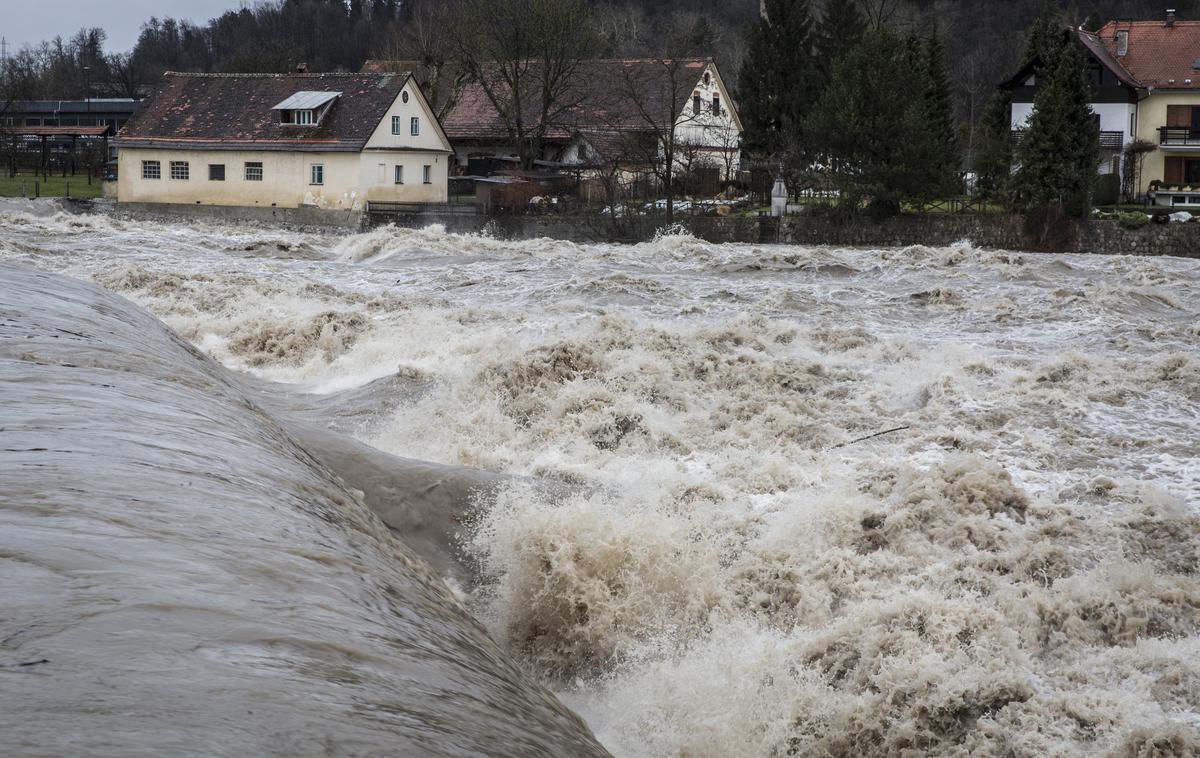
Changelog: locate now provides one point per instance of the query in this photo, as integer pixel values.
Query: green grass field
(55, 186)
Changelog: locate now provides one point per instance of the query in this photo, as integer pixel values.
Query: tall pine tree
(943, 126)
(1059, 151)
(775, 83)
(994, 156)
(838, 31)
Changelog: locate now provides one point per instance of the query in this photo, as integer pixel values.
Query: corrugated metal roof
(306, 100)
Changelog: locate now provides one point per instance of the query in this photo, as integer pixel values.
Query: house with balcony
(1145, 78)
(334, 142)
(1114, 99)
(1164, 58)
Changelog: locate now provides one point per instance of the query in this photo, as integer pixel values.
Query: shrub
(1132, 220)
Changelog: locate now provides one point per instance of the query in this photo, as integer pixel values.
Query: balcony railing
(1178, 136)
(1109, 140)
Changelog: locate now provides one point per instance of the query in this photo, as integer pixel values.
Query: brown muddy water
(680, 535)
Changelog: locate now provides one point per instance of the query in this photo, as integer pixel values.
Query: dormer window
(305, 108)
(1122, 42)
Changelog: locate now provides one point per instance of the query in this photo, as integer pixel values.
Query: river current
(757, 500)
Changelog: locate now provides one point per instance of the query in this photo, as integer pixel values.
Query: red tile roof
(235, 111)
(1159, 56)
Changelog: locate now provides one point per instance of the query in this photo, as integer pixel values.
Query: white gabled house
(328, 141)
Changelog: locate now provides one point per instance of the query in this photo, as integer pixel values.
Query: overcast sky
(31, 21)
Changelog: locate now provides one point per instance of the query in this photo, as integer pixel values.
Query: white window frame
(251, 166)
(316, 174)
(397, 122)
(414, 126)
(304, 117)
(398, 174)
(151, 169)
(180, 170)
(427, 174)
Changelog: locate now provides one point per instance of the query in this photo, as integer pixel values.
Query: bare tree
(526, 56)
(425, 43)
(880, 13)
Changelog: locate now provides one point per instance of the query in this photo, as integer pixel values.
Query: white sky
(25, 22)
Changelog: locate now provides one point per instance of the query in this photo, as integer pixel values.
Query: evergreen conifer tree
(1045, 36)
(1059, 151)
(872, 130)
(942, 125)
(776, 86)
(838, 31)
(993, 163)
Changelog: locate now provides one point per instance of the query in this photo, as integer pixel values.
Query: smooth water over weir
(679, 535)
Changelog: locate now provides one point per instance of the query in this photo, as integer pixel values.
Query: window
(151, 170)
(707, 78)
(216, 172)
(396, 122)
(695, 103)
(304, 118)
(414, 126)
(427, 174)
(1122, 42)
(179, 169)
(316, 173)
(404, 96)
(716, 104)
(254, 171)
(398, 174)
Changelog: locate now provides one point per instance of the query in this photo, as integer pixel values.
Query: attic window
(707, 78)
(1196, 65)
(716, 104)
(305, 108)
(1123, 42)
(304, 117)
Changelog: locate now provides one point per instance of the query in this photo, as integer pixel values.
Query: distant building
(333, 141)
(112, 112)
(1146, 85)
(617, 119)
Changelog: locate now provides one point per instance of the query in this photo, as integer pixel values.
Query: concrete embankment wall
(985, 230)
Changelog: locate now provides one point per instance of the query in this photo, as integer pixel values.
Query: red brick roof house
(1146, 85)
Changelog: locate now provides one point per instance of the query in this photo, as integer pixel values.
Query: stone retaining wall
(935, 229)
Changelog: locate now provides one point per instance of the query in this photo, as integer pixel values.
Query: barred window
(399, 174)
(316, 174)
(151, 170)
(254, 171)
(179, 170)
(396, 122)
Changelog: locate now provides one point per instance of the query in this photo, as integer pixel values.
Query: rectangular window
(414, 126)
(398, 174)
(179, 170)
(216, 172)
(316, 173)
(396, 122)
(696, 104)
(716, 104)
(151, 170)
(304, 118)
(427, 174)
(254, 171)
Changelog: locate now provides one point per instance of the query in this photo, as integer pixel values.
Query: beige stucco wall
(350, 178)
(1152, 114)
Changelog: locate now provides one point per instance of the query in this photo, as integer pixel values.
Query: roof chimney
(1170, 17)
(302, 68)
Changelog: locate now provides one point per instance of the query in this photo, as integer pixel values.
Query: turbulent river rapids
(416, 493)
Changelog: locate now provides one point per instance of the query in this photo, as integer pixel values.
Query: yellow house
(329, 141)
(1164, 59)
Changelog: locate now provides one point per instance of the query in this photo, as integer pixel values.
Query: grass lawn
(55, 186)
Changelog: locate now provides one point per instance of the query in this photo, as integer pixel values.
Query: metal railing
(1178, 136)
